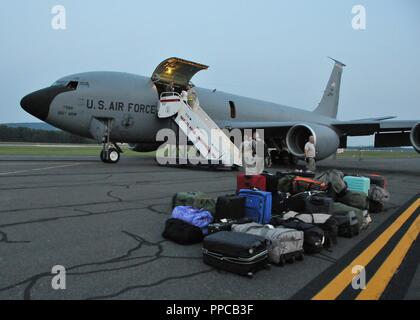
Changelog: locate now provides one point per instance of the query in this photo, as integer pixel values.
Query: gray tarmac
(103, 223)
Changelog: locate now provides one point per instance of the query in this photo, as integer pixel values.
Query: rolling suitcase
(250, 182)
(360, 184)
(314, 237)
(185, 198)
(239, 253)
(286, 245)
(230, 207)
(277, 206)
(258, 205)
(271, 182)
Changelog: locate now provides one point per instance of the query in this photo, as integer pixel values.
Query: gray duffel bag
(286, 244)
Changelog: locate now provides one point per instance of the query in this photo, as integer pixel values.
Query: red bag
(250, 182)
(378, 180)
(301, 184)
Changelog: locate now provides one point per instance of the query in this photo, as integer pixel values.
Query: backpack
(334, 178)
(379, 194)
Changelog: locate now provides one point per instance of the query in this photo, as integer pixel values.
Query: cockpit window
(59, 84)
(69, 84)
(73, 85)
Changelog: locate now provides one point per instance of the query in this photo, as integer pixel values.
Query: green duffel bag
(341, 208)
(205, 203)
(354, 199)
(285, 183)
(186, 198)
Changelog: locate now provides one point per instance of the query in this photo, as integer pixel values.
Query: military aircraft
(114, 107)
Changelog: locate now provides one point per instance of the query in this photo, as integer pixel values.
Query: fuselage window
(232, 109)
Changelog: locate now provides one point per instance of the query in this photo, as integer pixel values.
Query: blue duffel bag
(197, 217)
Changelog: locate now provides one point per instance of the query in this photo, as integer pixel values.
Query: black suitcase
(240, 253)
(182, 232)
(314, 236)
(271, 182)
(278, 203)
(231, 207)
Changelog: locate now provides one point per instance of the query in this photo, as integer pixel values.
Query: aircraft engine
(415, 137)
(326, 139)
(143, 146)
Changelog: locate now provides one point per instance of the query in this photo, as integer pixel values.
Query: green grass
(377, 154)
(94, 150)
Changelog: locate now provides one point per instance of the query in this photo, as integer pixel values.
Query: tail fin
(329, 103)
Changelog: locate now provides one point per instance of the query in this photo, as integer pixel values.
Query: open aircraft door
(176, 71)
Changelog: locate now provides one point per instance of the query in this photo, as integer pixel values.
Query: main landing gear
(110, 152)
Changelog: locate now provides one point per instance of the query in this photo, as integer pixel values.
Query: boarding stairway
(212, 143)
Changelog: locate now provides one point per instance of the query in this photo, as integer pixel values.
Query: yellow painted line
(377, 285)
(333, 289)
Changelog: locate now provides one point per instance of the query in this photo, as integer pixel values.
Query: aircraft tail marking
(329, 103)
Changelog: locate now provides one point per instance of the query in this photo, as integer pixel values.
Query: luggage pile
(275, 218)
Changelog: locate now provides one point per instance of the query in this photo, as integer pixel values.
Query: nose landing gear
(110, 152)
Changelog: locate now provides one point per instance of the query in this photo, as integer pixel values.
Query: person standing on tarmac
(310, 154)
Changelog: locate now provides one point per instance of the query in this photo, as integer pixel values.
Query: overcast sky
(272, 50)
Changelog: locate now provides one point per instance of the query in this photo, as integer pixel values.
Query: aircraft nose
(37, 103)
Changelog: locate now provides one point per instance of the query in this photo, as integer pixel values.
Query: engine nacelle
(326, 139)
(144, 146)
(415, 137)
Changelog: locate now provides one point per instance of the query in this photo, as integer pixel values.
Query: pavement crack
(5, 239)
(150, 285)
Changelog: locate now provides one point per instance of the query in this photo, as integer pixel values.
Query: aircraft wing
(368, 127)
(271, 127)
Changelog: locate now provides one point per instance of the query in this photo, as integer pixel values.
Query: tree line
(22, 134)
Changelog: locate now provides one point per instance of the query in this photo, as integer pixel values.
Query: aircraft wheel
(103, 157)
(113, 155)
